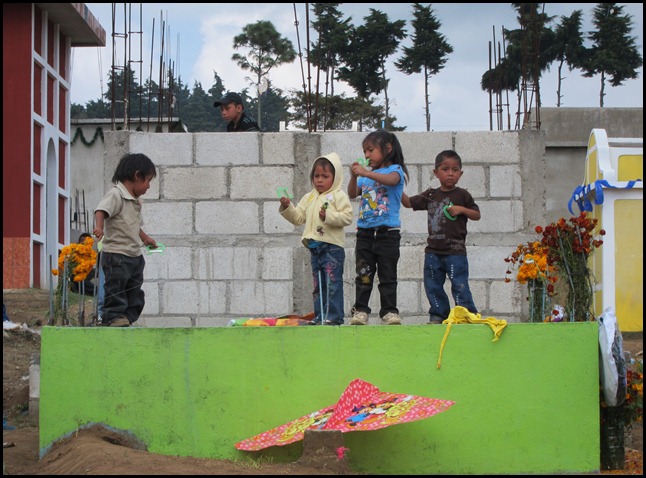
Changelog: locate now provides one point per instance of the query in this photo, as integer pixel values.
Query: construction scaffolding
(528, 94)
(129, 95)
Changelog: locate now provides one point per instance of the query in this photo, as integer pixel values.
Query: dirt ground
(100, 451)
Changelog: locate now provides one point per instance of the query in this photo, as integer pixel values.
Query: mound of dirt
(99, 451)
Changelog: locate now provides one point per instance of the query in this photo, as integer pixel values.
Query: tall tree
(428, 53)
(364, 61)
(325, 52)
(528, 54)
(614, 54)
(568, 47)
(267, 49)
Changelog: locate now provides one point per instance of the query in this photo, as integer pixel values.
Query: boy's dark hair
(380, 138)
(447, 154)
(133, 166)
(327, 165)
(83, 236)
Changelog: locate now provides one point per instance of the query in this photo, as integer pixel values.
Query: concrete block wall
(229, 254)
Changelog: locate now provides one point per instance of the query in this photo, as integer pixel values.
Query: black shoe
(435, 319)
(331, 322)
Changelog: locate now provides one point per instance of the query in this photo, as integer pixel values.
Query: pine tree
(568, 47)
(364, 61)
(325, 54)
(428, 53)
(267, 49)
(614, 55)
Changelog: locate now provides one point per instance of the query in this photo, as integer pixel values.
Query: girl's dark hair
(380, 138)
(447, 154)
(327, 165)
(133, 166)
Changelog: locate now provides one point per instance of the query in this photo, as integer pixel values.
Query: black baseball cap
(230, 97)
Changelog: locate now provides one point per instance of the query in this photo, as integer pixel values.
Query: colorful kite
(362, 407)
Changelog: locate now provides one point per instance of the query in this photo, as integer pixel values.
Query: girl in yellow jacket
(325, 211)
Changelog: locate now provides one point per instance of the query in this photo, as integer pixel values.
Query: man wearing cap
(233, 113)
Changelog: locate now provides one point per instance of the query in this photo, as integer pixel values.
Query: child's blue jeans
(327, 263)
(436, 269)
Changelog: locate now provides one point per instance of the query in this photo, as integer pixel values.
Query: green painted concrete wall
(527, 404)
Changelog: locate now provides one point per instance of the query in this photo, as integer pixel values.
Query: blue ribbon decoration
(581, 193)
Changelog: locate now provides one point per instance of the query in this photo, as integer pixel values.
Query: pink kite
(361, 407)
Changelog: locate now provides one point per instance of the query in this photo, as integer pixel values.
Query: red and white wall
(37, 45)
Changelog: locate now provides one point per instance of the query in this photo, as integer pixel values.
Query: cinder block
(507, 297)
(498, 216)
(226, 217)
(168, 218)
(505, 182)
(488, 146)
(194, 297)
(202, 182)
(223, 149)
(346, 144)
(260, 182)
(422, 147)
(258, 299)
(277, 148)
(163, 149)
(277, 263)
(173, 263)
(273, 222)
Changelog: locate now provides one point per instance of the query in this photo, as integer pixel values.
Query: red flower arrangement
(563, 254)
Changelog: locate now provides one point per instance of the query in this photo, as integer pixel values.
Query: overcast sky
(199, 39)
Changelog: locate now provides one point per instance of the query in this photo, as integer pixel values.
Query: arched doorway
(51, 215)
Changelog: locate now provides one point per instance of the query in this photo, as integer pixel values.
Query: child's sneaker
(391, 319)
(359, 318)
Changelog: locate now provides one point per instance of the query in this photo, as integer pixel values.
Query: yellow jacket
(338, 214)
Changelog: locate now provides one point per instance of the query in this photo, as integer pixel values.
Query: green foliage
(531, 49)
(568, 47)
(332, 32)
(203, 114)
(98, 133)
(267, 49)
(325, 53)
(336, 112)
(428, 53)
(370, 45)
(614, 54)
(274, 109)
